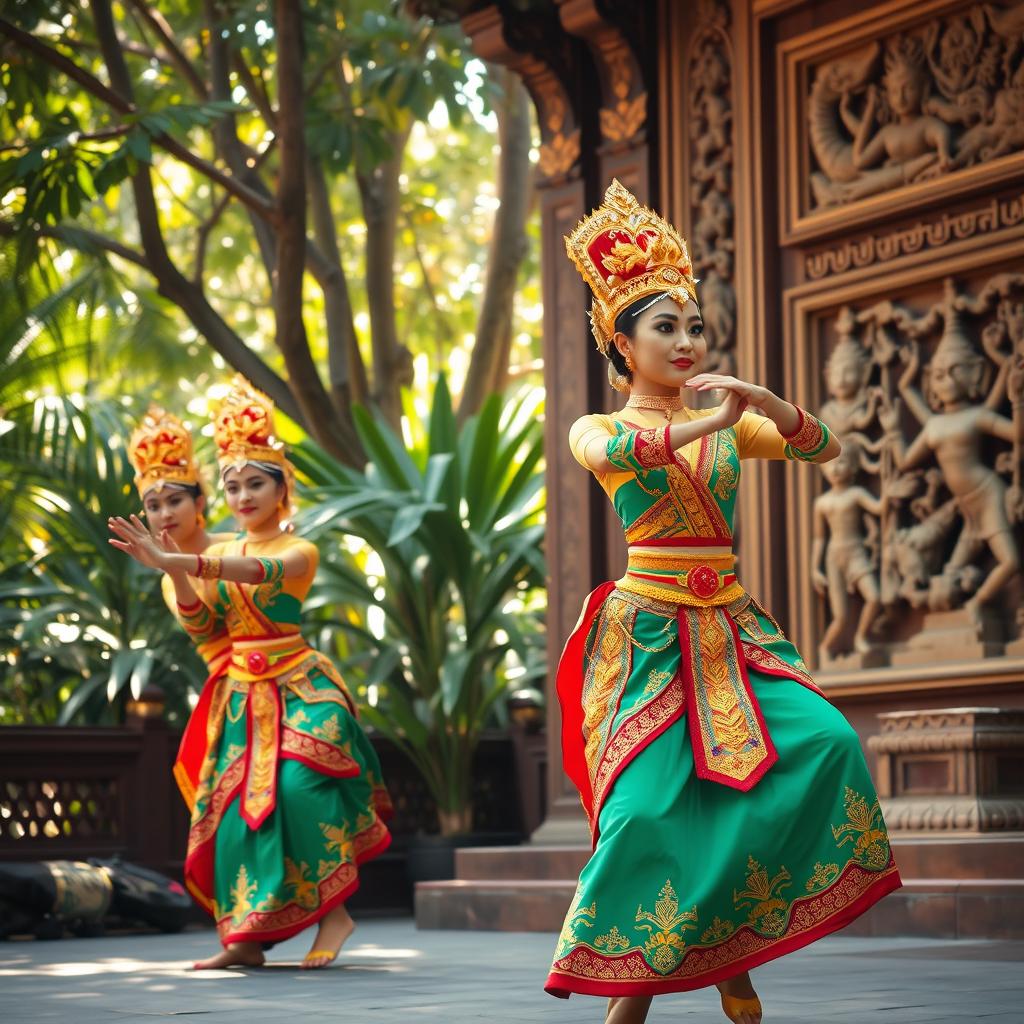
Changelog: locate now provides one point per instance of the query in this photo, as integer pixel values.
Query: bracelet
(809, 439)
(273, 570)
(207, 568)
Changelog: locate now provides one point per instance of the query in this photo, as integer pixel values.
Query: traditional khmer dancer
(289, 799)
(169, 483)
(732, 812)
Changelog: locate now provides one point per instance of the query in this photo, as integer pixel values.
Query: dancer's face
(175, 511)
(668, 345)
(253, 496)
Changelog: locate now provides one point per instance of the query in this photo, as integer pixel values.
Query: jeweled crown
(243, 429)
(160, 450)
(625, 251)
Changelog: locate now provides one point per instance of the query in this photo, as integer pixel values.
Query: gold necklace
(665, 405)
(254, 538)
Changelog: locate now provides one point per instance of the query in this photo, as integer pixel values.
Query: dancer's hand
(134, 539)
(820, 581)
(730, 411)
(752, 394)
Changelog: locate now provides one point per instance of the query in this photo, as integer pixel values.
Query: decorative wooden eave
(533, 44)
(624, 107)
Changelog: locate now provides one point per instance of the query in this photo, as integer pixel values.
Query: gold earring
(629, 363)
(619, 381)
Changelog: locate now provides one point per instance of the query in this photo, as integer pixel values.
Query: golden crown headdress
(160, 450)
(243, 429)
(625, 251)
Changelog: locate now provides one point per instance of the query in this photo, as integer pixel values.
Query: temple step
(963, 886)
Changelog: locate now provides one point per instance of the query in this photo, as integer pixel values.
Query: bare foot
(335, 928)
(735, 990)
(241, 954)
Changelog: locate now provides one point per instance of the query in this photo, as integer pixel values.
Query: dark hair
(194, 491)
(625, 323)
(274, 472)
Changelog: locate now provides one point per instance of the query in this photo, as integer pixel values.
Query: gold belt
(681, 575)
(256, 658)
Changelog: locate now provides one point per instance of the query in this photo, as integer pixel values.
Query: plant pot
(432, 858)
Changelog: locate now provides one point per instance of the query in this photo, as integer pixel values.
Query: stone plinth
(951, 770)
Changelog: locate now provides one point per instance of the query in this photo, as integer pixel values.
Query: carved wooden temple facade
(850, 177)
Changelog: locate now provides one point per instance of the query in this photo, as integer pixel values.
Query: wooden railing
(72, 793)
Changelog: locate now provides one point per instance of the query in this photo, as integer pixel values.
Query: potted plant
(438, 594)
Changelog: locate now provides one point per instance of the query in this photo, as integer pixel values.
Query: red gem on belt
(257, 662)
(703, 581)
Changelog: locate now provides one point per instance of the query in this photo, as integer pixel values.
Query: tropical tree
(143, 133)
(441, 599)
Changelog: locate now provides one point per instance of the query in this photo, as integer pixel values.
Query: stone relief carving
(709, 87)
(930, 408)
(918, 104)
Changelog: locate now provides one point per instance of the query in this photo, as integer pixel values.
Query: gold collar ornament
(625, 251)
(160, 450)
(243, 429)
(667, 406)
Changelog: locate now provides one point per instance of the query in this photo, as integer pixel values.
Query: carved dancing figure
(953, 434)
(840, 559)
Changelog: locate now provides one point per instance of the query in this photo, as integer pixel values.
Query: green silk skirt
(691, 881)
(269, 882)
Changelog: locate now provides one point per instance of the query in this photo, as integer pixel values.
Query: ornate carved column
(707, 73)
(622, 150)
(535, 47)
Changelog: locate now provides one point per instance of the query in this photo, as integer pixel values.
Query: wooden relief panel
(709, 89)
(916, 529)
(897, 108)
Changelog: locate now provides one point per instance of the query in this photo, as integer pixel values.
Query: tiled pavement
(393, 974)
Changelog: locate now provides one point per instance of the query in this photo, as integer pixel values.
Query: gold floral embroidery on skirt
(768, 911)
(665, 926)
(865, 829)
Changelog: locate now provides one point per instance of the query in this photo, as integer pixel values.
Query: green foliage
(372, 71)
(82, 627)
(442, 594)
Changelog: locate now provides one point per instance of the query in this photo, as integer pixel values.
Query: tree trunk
(170, 282)
(488, 368)
(291, 240)
(392, 361)
(225, 135)
(346, 369)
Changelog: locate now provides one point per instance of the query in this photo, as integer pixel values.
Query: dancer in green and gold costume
(733, 815)
(289, 799)
(169, 483)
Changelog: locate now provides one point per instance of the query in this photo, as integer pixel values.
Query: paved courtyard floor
(393, 974)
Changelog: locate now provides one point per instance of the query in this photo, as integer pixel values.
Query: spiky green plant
(439, 604)
(81, 625)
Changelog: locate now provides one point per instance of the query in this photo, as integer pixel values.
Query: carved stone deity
(851, 405)
(959, 414)
(841, 559)
(943, 96)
